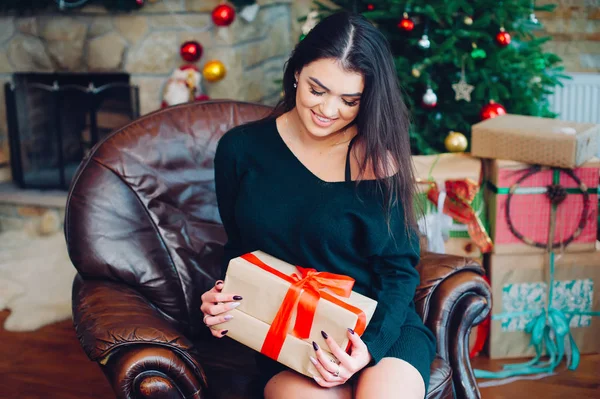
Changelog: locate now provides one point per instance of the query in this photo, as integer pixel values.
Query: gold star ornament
(463, 90)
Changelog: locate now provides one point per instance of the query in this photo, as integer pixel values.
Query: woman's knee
(389, 377)
(289, 385)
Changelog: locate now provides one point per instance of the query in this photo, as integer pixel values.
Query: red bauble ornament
(202, 97)
(139, 2)
(191, 51)
(370, 7)
(406, 23)
(503, 38)
(223, 15)
(492, 110)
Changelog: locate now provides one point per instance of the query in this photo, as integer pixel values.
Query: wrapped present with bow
(286, 307)
(520, 198)
(451, 199)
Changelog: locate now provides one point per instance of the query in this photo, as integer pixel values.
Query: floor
(49, 363)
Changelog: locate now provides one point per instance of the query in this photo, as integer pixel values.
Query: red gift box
(528, 192)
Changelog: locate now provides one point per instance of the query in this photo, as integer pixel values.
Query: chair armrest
(454, 297)
(435, 268)
(138, 349)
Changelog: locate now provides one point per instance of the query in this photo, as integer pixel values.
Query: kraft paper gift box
(535, 140)
(285, 333)
(456, 172)
(520, 289)
(530, 206)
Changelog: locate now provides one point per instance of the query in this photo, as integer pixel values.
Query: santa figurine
(183, 86)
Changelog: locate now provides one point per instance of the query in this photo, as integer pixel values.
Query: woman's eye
(316, 93)
(350, 103)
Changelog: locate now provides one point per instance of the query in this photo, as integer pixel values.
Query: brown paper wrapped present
(286, 307)
(520, 290)
(535, 140)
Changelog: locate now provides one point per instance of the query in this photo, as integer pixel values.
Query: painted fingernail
(313, 360)
(315, 346)
(237, 298)
(234, 305)
(228, 317)
(351, 331)
(224, 332)
(324, 334)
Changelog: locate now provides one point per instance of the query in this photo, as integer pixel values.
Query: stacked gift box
(541, 181)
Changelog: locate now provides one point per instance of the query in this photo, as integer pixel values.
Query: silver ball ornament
(533, 18)
(424, 42)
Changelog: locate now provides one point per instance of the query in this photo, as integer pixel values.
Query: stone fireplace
(144, 45)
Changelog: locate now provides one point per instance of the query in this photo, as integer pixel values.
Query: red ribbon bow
(305, 290)
(461, 194)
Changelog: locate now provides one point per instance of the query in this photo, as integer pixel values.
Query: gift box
(535, 140)
(520, 291)
(286, 307)
(455, 180)
(520, 199)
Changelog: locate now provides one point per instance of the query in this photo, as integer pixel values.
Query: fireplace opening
(54, 119)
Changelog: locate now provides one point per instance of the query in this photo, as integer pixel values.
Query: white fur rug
(36, 276)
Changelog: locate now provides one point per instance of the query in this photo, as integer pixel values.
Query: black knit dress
(269, 201)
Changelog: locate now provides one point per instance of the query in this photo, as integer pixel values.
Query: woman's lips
(320, 120)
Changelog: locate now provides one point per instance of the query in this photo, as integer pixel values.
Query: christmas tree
(461, 61)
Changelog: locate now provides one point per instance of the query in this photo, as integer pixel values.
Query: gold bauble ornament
(468, 21)
(456, 142)
(214, 71)
(415, 72)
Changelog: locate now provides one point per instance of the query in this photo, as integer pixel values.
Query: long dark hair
(383, 118)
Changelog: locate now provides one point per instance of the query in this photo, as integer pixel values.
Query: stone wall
(575, 29)
(145, 43)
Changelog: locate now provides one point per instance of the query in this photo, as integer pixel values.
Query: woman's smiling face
(327, 96)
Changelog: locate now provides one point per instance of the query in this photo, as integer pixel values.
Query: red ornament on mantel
(492, 110)
(370, 7)
(406, 23)
(191, 51)
(503, 38)
(223, 15)
(139, 2)
(202, 97)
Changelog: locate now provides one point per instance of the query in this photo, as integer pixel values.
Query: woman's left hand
(333, 374)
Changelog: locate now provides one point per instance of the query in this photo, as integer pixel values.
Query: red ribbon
(461, 194)
(305, 290)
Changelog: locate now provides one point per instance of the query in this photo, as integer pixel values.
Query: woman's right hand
(214, 304)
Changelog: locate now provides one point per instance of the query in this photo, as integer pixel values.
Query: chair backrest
(142, 208)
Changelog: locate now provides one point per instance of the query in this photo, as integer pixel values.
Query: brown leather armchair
(143, 231)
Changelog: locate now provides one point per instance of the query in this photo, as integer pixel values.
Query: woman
(326, 182)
